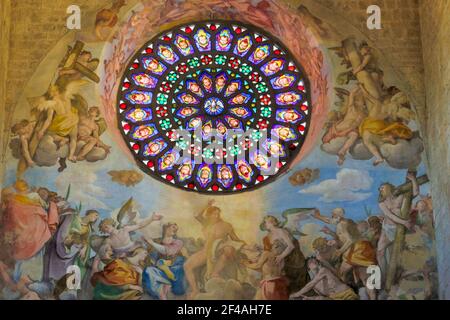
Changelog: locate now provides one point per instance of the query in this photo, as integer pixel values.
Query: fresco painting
(80, 186)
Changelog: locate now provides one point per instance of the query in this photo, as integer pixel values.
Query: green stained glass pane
(172, 76)
(235, 150)
(256, 135)
(162, 98)
(220, 59)
(266, 112)
(165, 124)
(194, 62)
(245, 69)
(208, 153)
(262, 87)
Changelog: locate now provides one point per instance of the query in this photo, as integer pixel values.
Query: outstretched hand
(156, 216)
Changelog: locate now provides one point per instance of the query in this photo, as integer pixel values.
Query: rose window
(216, 78)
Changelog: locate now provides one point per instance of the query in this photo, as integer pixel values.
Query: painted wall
(321, 177)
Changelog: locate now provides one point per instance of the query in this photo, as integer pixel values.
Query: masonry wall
(5, 23)
(435, 25)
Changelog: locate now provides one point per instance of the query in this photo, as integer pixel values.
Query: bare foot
(80, 158)
(72, 159)
(377, 162)
(341, 159)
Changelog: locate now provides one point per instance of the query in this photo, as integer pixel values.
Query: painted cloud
(349, 185)
(82, 188)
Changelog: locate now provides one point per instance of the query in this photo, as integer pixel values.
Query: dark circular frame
(135, 65)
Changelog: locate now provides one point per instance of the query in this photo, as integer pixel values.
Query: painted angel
(107, 18)
(60, 116)
(346, 122)
(90, 127)
(118, 232)
(387, 123)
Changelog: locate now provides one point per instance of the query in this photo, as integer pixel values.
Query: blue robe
(153, 278)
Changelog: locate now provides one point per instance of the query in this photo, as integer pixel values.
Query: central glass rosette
(221, 94)
(213, 106)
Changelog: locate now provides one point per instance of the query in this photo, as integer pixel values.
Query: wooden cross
(405, 210)
(70, 62)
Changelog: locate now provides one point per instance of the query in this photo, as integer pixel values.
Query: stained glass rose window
(214, 78)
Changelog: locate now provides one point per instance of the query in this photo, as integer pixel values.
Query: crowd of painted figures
(116, 261)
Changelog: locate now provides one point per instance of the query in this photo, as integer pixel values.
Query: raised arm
(200, 214)
(320, 217)
(143, 223)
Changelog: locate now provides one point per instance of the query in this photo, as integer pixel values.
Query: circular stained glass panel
(214, 107)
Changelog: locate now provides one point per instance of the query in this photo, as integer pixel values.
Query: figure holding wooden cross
(395, 203)
(59, 108)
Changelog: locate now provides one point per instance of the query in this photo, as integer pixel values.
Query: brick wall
(5, 23)
(435, 25)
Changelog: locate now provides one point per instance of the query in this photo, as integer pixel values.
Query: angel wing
(343, 96)
(102, 126)
(127, 214)
(73, 87)
(80, 103)
(400, 98)
(40, 104)
(341, 53)
(342, 93)
(293, 217)
(399, 107)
